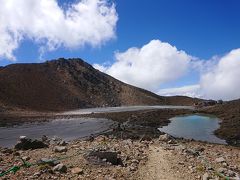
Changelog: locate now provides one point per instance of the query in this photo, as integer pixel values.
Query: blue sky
(202, 29)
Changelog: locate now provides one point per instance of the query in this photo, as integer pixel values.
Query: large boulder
(60, 149)
(98, 157)
(26, 143)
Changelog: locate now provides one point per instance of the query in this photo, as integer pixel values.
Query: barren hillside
(70, 84)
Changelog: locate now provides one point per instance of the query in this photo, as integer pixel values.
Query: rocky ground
(229, 113)
(85, 159)
(132, 151)
(190, 160)
(108, 158)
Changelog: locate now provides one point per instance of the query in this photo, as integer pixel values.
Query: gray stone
(77, 170)
(222, 170)
(37, 174)
(206, 176)
(1, 170)
(44, 138)
(60, 149)
(50, 162)
(164, 137)
(111, 157)
(231, 173)
(22, 138)
(61, 168)
(26, 158)
(220, 160)
(180, 148)
(62, 143)
(192, 152)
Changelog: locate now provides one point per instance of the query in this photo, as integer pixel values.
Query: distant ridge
(66, 84)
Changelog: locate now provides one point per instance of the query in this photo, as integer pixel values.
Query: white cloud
(91, 22)
(223, 80)
(191, 91)
(150, 66)
(157, 63)
(219, 79)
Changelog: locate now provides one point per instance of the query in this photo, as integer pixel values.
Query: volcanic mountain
(66, 84)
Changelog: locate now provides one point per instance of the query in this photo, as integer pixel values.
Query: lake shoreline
(141, 123)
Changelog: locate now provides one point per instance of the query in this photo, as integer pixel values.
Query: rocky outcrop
(25, 143)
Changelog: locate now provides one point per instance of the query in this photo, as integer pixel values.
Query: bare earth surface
(162, 164)
(179, 161)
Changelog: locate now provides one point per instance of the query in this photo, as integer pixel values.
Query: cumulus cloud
(149, 66)
(219, 79)
(191, 91)
(158, 63)
(91, 22)
(223, 80)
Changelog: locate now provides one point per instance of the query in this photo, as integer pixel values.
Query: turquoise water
(197, 127)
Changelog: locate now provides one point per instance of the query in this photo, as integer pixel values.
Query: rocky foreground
(105, 157)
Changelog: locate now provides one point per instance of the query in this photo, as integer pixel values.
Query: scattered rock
(199, 149)
(37, 174)
(26, 158)
(44, 138)
(22, 138)
(95, 156)
(132, 168)
(206, 176)
(62, 143)
(127, 142)
(164, 137)
(60, 149)
(77, 170)
(25, 144)
(7, 151)
(55, 140)
(16, 153)
(222, 170)
(220, 160)
(231, 173)
(225, 164)
(50, 162)
(192, 152)
(61, 168)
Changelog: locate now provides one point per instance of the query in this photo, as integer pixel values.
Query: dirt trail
(163, 164)
(190, 160)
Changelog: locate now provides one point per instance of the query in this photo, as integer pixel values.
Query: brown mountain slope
(70, 84)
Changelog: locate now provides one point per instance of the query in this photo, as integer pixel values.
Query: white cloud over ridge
(149, 66)
(157, 63)
(91, 22)
(219, 79)
(223, 80)
(191, 91)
